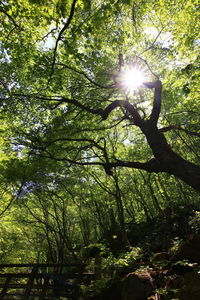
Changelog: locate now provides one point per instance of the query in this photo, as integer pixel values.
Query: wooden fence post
(6, 285)
(30, 282)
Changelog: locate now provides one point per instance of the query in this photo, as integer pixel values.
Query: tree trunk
(168, 160)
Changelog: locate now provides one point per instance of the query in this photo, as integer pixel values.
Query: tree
(68, 62)
(165, 159)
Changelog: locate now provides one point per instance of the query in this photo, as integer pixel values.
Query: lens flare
(132, 79)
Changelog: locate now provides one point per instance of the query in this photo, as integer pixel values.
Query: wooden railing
(42, 281)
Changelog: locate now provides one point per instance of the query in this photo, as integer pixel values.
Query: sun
(132, 79)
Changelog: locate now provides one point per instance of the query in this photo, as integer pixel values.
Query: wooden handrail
(40, 265)
(48, 282)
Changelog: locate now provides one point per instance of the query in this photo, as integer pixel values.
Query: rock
(180, 269)
(191, 287)
(190, 249)
(133, 287)
(111, 293)
(136, 286)
(160, 258)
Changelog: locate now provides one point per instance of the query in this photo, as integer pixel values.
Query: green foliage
(46, 140)
(95, 288)
(128, 258)
(195, 222)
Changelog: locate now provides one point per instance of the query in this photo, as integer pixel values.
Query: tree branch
(10, 17)
(90, 141)
(148, 66)
(60, 36)
(14, 197)
(153, 43)
(86, 76)
(82, 106)
(138, 121)
(152, 165)
(177, 127)
(64, 100)
(157, 85)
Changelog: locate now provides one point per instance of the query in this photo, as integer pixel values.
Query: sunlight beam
(132, 79)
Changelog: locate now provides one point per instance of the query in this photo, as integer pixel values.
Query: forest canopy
(84, 149)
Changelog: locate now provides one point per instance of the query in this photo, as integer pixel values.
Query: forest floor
(163, 264)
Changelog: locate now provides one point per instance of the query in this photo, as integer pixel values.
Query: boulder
(190, 249)
(136, 286)
(191, 287)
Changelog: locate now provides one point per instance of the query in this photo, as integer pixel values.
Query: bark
(120, 211)
(169, 161)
